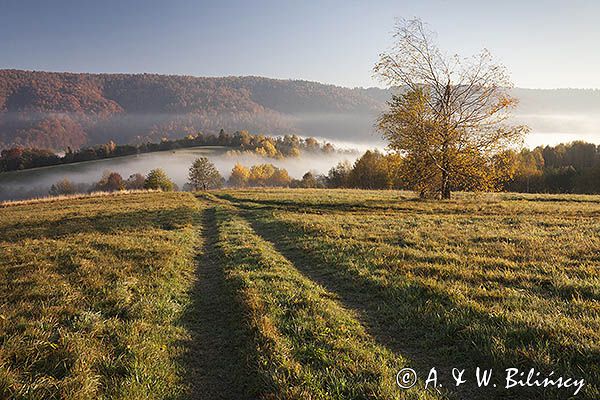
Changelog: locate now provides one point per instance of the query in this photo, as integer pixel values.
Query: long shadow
(217, 356)
(541, 286)
(296, 205)
(410, 320)
(263, 205)
(168, 219)
(400, 205)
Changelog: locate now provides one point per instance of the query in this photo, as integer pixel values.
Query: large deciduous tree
(449, 119)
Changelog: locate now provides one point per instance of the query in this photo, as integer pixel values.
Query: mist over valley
(57, 110)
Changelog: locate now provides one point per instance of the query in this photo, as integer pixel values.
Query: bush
(135, 182)
(339, 176)
(157, 179)
(110, 182)
(63, 187)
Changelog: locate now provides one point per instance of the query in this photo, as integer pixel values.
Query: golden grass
(308, 346)
(45, 199)
(91, 290)
(493, 280)
(333, 292)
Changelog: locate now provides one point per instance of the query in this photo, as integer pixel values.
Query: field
(296, 294)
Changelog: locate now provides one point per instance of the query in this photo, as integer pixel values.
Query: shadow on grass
(427, 325)
(429, 207)
(297, 205)
(218, 355)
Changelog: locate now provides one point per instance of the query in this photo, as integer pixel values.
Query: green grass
(295, 294)
(496, 280)
(90, 291)
(308, 346)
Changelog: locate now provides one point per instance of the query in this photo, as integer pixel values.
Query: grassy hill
(295, 294)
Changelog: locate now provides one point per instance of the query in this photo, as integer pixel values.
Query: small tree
(260, 174)
(204, 175)
(339, 176)
(280, 178)
(309, 180)
(157, 179)
(370, 171)
(110, 182)
(449, 121)
(239, 176)
(62, 187)
(135, 182)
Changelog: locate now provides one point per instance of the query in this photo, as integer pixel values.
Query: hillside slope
(56, 110)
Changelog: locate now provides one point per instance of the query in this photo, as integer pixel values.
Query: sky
(545, 44)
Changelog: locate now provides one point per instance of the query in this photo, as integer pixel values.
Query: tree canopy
(449, 121)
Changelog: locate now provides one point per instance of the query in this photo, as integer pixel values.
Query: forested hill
(55, 110)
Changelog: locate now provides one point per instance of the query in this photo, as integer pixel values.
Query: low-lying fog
(344, 131)
(547, 128)
(552, 129)
(37, 182)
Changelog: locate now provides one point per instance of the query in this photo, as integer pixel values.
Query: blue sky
(545, 44)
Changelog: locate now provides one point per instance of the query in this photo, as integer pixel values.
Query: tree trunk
(445, 189)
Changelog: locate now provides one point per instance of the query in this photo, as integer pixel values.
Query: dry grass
(492, 280)
(332, 292)
(36, 200)
(308, 346)
(91, 290)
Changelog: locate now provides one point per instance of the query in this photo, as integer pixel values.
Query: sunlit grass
(332, 291)
(307, 345)
(500, 280)
(90, 292)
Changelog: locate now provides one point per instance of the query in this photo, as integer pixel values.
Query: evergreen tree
(203, 175)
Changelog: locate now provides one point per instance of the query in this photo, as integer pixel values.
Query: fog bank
(37, 182)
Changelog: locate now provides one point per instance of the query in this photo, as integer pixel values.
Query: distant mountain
(56, 110)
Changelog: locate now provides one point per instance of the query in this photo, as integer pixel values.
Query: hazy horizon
(545, 45)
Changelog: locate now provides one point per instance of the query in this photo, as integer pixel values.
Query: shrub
(110, 182)
(62, 187)
(158, 179)
(135, 182)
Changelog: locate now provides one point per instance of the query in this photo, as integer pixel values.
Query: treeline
(113, 181)
(20, 158)
(564, 168)
(374, 170)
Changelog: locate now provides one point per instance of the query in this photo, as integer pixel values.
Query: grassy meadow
(296, 294)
